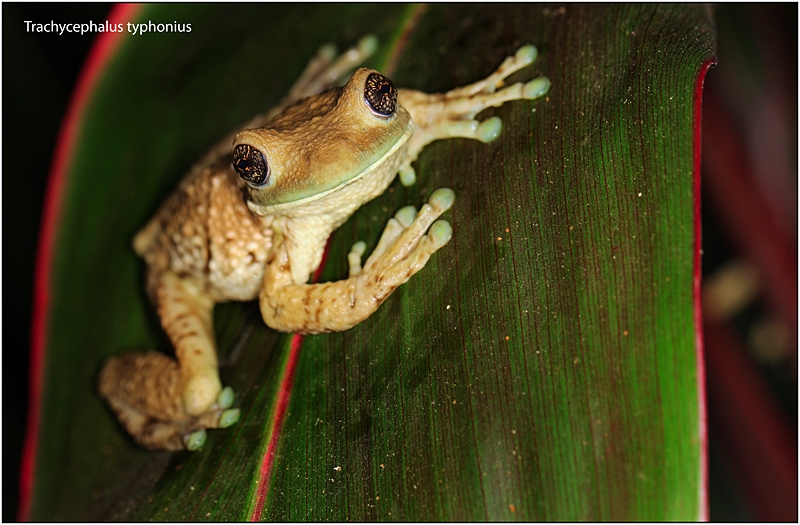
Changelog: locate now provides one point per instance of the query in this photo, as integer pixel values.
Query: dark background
(752, 92)
(39, 71)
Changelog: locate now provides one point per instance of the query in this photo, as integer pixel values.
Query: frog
(250, 221)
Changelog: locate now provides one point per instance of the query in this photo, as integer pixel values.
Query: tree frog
(251, 220)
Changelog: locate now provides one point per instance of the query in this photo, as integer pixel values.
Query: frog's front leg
(166, 403)
(452, 114)
(402, 251)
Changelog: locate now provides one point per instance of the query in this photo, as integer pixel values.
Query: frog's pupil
(250, 164)
(380, 95)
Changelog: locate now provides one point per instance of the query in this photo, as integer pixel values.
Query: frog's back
(204, 233)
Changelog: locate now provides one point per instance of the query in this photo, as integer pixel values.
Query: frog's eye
(380, 95)
(250, 164)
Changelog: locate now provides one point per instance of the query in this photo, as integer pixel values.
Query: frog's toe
(408, 175)
(489, 129)
(195, 430)
(394, 229)
(416, 223)
(442, 199)
(327, 52)
(526, 54)
(350, 59)
(405, 215)
(222, 415)
(329, 67)
(225, 398)
(415, 236)
(229, 417)
(412, 252)
(367, 45)
(440, 233)
(536, 88)
(195, 440)
(358, 249)
(354, 257)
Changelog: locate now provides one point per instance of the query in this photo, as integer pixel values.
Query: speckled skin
(218, 238)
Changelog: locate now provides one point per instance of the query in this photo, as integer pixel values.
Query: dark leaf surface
(542, 366)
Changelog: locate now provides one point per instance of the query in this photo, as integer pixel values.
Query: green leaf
(542, 366)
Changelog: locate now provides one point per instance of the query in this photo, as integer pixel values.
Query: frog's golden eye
(380, 95)
(250, 164)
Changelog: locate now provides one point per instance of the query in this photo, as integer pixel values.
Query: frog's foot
(408, 241)
(404, 246)
(525, 56)
(145, 391)
(327, 69)
(452, 114)
(462, 104)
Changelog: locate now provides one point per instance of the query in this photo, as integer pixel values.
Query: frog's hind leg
(143, 390)
(164, 403)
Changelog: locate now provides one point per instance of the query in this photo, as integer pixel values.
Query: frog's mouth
(370, 182)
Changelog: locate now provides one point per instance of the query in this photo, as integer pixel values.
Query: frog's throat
(285, 208)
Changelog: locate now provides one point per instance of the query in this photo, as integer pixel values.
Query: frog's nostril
(380, 95)
(250, 164)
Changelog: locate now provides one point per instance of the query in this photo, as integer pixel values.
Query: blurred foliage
(750, 230)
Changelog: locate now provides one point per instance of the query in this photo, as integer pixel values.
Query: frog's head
(322, 143)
